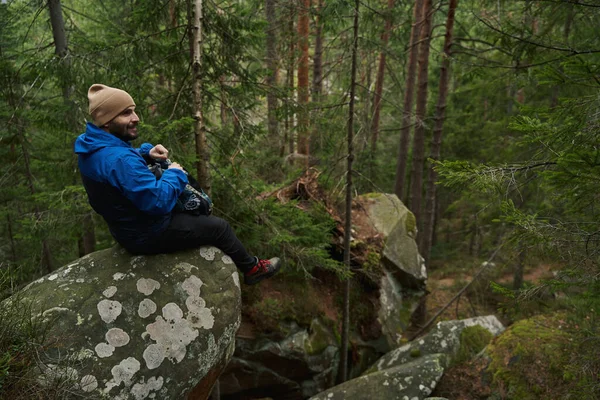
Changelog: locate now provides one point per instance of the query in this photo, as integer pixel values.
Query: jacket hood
(95, 139)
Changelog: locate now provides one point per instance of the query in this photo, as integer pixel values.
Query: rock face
(443, 338)
(414, 380)
(139, 327)
(398, 225)
(298, 366)
(411, 372)
(402, 285)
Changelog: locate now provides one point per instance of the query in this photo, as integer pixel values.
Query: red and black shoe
(262, 270)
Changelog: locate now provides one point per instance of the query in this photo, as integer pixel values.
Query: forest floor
(479, 299)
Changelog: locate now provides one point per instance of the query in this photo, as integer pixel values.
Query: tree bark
(343, 374)
(273, 73)
(58, 27)
(377, 97)
(418, 156)
(408, 99)
(303, 84)
(436, 143)
(289, 116)
(202, 151)
(519, 267)
(318, 57)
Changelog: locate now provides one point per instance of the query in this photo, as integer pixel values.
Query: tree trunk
(87, 239)
(273, 74)
(408, 99)
(436, 143)
(58, 27)
(318, 57)
(385, 36)
(202, 151)
(519, 267)
(316, 138)
(303, 88)
(289, 116)
(343, 374)
(418, 155)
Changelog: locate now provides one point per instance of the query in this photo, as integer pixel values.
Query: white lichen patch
(119, 276)
(172, 335)
(146, 308)
(154, 356)
(79, 280)
(202, 318)
(226, 259)
(109, 310)
(53, 310)
(125, 371)
(142, 390)
(52, 277)
(88, 383)
(192, 285)
(208, 253)
(104, 350)
(147, 286)
(117, 337)
(236, 279)
(110, 291)
(194, 303)
(185, 267)
(198, 315)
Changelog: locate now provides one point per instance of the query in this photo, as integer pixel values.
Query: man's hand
(176, 166)
(159, 152)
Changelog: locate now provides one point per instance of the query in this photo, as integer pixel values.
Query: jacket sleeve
(153, 196)
(145, 149)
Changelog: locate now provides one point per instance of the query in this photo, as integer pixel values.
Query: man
(137, 206)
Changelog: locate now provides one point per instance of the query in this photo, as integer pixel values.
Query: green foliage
(21, 337)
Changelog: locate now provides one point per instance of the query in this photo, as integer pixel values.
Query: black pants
(188, 231)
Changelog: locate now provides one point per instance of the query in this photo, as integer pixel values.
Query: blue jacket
(136, 206)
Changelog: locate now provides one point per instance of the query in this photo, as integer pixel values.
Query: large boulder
(412, 381)
(444, 338)
(398, 226)
(402, 284)
(125, 327)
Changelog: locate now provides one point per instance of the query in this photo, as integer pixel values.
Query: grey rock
(402, 285)
(127, 327)
(397, 224)
(412, 381)
(299, 365)
(443, 338)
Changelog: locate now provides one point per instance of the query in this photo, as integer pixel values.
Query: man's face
(124, 125)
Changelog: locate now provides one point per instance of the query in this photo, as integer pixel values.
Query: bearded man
(138, 207)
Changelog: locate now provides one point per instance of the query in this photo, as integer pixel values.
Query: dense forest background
(482, 116)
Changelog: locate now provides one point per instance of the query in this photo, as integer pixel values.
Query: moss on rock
(528, 361)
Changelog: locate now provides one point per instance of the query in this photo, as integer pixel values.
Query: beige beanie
(106, 103)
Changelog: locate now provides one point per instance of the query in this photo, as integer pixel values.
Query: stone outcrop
(410, 381)
(125, 327)
(443, 338)
(402, 285)
(298, 366)
(411, 372)
(397, 224)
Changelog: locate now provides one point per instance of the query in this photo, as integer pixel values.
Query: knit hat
(106, 103)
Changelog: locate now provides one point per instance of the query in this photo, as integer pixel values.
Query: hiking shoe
(264, 269)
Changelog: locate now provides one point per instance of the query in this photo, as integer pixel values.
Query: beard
(124, 131)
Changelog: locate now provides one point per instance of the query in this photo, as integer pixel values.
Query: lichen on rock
(151, 332)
